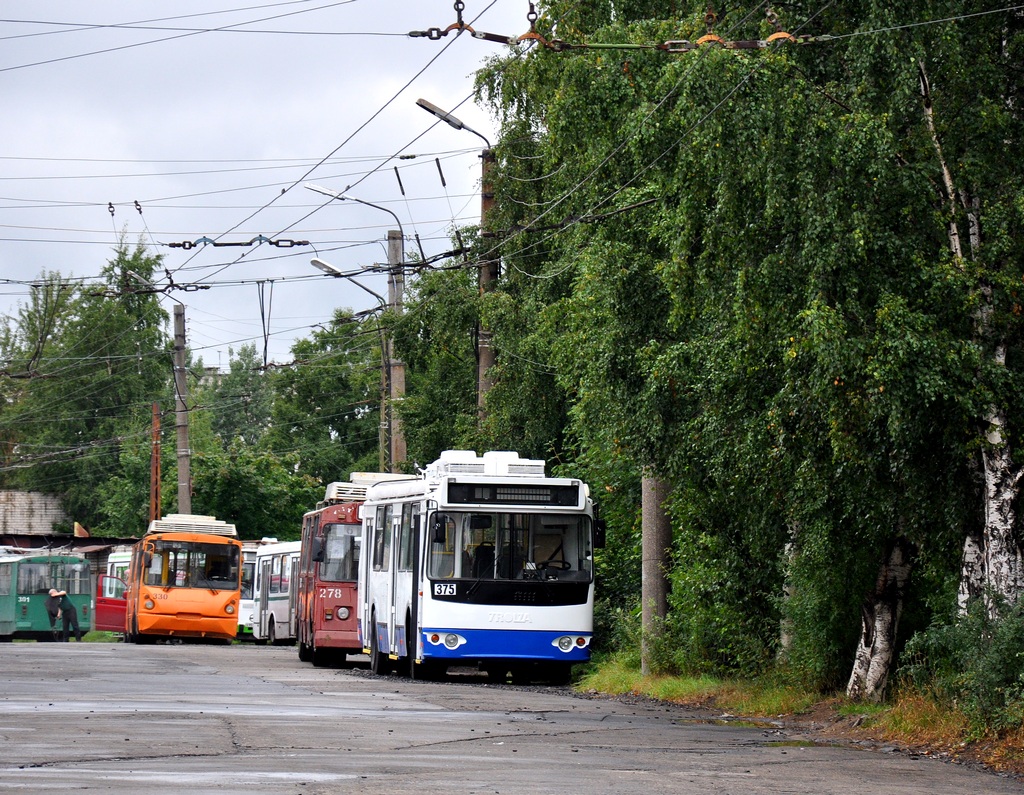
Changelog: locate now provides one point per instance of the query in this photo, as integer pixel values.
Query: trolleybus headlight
(229, 609)
(342, 613)
(566, 642)
(149, 604)
(449, 639)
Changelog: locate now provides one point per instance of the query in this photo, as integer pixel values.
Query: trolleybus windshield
(40, 577)
(190, 564)
(510, 546)
(340, 561)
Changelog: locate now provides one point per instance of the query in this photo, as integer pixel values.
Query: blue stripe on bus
(506, 644)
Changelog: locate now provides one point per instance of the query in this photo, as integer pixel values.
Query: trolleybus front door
(111, 605)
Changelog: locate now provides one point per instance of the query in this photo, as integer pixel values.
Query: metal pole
(396, 288)
(181, 413)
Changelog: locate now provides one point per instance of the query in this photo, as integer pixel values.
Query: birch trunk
(997, 558)
(1001, 553)
(880, 618)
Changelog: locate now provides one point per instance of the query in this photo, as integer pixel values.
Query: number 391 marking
(444, 589)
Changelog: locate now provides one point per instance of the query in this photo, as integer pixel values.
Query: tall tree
(760, 299)
(99, 357)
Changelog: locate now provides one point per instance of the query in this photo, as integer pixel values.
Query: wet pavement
(246, 719)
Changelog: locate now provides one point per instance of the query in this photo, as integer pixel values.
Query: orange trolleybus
(184, 580)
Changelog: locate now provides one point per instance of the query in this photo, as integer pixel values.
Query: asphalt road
(244, 719)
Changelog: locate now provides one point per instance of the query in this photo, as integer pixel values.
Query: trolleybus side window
(5, 578)
(405, 536)
(382, 538)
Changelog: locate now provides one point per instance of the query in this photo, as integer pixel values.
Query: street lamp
(180, 409)
(448, 119)
(488, 272)
(386, 439)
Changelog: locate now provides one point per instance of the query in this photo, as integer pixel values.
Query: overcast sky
(211, 116)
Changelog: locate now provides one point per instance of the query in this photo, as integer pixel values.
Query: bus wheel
(379, 662)
(498, 674)
(272, 633)
(558, 673)
(305, 655)
(321, 658)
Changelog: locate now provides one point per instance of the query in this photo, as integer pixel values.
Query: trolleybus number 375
(444, 589)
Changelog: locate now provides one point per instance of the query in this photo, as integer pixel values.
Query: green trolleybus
(25, 582)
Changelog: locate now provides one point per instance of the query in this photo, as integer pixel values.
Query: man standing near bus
(67, 612)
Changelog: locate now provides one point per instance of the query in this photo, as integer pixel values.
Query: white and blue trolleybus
(482, 561)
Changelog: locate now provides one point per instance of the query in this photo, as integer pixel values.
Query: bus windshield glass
(248, 577)
(509, 546)
(40, 577)
(341, 553)
(190, 564)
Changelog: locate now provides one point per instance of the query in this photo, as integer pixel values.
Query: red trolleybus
(184, 580)
(328, 569)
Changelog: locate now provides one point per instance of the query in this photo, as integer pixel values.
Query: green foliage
(258, 491)
(97, 359)
(326, 407)
(974, 663)
(753, 293)
(243, 399)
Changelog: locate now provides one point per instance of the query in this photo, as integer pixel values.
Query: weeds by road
(912, 724)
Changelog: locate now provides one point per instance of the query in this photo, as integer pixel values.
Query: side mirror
(437, 532)
(318, 550)
(600, 533)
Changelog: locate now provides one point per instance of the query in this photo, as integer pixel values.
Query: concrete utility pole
(656, 541)
(396, 380)
(181, 412)
(393, 446)
(488, 277)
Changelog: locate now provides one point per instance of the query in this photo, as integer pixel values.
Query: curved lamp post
(488, 273)
(387, 457)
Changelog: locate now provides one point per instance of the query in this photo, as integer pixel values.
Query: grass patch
(616, 677)
(915, 718)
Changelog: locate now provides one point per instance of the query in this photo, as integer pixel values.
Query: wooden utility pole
(181, 413)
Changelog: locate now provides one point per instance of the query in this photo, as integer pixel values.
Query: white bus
(482, 561)
(274, 592)
(246, 609)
